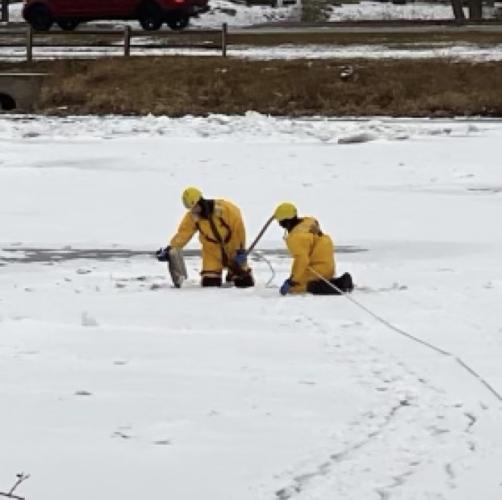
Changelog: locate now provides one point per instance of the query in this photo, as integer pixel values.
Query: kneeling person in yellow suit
(222, 235)
(313, 255)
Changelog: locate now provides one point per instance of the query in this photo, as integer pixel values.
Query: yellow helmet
(190, 197)
(285, 211)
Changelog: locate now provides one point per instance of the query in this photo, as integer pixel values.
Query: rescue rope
(272, 270)
(389, 325)
(258, 254)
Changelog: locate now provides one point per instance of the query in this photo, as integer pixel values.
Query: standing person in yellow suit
(312, 250)
(222, 235)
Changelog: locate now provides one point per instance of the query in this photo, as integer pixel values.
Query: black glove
(162, 254)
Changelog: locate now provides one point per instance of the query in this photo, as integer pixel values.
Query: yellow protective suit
(309, 247)
(230, 226)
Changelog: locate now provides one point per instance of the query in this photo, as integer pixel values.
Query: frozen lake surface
(115, 385)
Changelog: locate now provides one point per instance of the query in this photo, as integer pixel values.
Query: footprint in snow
(122, 435)
(83, 393)
(88, 320)
(162, 442)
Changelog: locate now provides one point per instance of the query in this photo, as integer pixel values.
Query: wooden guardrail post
(29, 44)
(224, 33)
(4, 14)
(127, 41)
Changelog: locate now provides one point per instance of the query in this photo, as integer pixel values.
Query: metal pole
(127, 41)
(29, 44)
(224, 32)
(260, 234)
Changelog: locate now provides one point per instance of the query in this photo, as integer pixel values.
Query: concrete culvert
(7, 103)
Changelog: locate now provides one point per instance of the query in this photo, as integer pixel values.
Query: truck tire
(177, 22)
(150, 16)
(67, 24)
(40, 18)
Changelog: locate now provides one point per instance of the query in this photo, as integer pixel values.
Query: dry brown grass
(189, 85)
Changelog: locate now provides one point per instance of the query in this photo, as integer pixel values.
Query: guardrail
(214, 39)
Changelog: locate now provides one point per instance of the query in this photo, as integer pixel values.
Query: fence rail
(28, 38)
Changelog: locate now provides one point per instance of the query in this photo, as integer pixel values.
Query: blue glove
(284, 290)
(162, 254)
(241, 257)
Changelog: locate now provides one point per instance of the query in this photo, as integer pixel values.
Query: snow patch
(253, 126)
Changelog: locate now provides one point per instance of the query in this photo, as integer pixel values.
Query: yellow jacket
(228, 222)
(310, 248)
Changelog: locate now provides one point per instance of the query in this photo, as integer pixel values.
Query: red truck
(151, 14)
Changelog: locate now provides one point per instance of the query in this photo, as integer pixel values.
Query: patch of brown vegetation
(177, 86)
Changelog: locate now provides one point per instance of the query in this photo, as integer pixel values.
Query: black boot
(210, 281)
(344, 283)
(244, 280)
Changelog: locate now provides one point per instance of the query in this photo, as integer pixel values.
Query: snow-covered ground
(449, 51)
(115, 385)
(388, 11)
(452, 51)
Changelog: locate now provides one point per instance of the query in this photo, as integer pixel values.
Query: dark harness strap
(215, 231)
(206, 237)
(222, 242)
(217, 235)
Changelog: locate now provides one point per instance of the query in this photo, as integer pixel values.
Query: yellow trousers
(212, 258)
(322, 260)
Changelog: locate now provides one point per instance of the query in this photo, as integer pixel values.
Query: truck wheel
(178, 22)
(67, 24)
(150, 17)
(40, 18)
